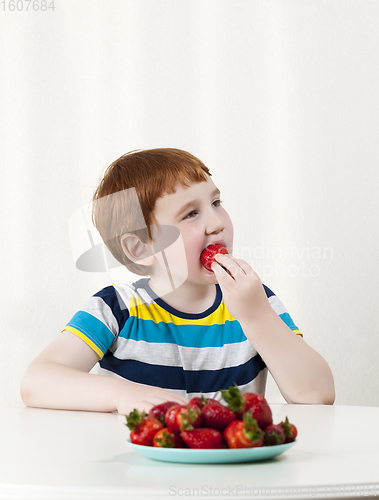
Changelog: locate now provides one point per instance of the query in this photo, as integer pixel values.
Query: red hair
(153, 173)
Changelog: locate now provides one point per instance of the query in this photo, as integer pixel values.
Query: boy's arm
(58, 378)
(302, 375)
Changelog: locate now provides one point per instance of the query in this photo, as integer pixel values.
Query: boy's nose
(214, 224)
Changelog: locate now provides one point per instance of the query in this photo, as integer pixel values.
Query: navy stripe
(113, 299)
(269, 292)
(176, 378)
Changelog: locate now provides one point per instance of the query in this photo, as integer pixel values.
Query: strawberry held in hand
(207, 256)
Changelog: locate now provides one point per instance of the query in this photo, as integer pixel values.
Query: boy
(209, 330)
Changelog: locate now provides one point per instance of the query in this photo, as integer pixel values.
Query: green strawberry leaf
(250, 428)
(166, 441)
(233, 398)
(135, 419)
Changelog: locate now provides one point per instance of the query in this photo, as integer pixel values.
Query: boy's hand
(244, 295)
(144, 397)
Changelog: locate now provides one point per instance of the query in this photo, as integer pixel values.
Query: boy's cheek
(173, 261)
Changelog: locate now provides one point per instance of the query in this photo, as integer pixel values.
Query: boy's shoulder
(122, 294)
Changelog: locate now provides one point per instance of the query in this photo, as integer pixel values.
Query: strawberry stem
(250, 428)
(166, 440)
(233, 398)
(188, 418)
(135, 419)
(203, 399)
(287, 427)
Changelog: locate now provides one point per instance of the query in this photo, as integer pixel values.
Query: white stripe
(257, 385)
(277, 305)
(101, 311)
(127, 292)
(190, 358)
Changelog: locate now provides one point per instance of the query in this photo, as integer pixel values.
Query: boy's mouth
(218, 242)
(207, 256)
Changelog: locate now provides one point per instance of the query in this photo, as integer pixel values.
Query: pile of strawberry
(246, 422)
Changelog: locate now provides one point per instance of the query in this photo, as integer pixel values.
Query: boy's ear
(137, 251)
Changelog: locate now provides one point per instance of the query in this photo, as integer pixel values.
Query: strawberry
(165, 439)
(260, 411)
(244, 433)
(202, 438)
(290, 431)
(142, 428)
(273, 435)
(182, 416)
(201, 401)
(216, 415)
(255, 403)
(207, 256)
(159, 411)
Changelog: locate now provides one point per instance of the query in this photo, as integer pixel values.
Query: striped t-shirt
(141, 338)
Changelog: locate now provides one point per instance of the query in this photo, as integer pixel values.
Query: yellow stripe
(298, 332)
(154, 312)
(86, 340)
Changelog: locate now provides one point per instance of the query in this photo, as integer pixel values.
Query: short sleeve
(100, 320)
(281, 310)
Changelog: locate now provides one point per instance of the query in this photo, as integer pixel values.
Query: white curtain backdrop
(279, 98)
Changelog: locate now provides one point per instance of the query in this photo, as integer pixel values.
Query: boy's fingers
(225, 261)
(222, 270)
(219, 271)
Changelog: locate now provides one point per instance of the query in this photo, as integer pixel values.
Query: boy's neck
(191, 299)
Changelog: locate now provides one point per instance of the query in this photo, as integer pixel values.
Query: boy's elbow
(27, 390)
(328, 393)
(311, 399)
(329, 398)
(316, 397)
(323, 391)
(325, 399)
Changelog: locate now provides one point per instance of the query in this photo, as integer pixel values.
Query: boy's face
(196, 211)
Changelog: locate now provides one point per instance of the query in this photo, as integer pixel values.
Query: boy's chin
(210, 275)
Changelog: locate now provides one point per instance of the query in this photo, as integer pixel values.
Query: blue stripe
(176, 378)
(288, 321)
(113, 299)
(184, 335)
(94, 329)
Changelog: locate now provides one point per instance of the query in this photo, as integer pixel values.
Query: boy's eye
(191, 214)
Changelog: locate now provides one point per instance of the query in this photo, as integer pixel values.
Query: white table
(50, 454)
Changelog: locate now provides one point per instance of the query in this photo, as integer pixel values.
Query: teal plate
(224, 456)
